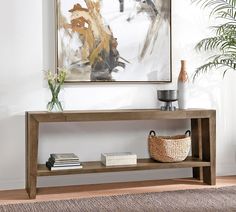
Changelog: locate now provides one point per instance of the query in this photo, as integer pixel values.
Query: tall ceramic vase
(183, 83)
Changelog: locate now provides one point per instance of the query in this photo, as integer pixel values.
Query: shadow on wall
(205, 96)
(212, 91)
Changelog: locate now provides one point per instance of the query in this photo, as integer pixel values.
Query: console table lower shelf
(142, 164)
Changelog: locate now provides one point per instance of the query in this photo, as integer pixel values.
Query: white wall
(26, 48)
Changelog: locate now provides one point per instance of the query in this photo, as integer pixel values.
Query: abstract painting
(114, 40)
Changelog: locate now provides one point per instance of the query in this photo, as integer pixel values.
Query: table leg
(196, 137)
(209, 149)
(32, 127)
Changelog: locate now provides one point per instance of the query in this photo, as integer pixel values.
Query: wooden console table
(203, 127)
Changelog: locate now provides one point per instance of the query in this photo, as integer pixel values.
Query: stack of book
(119, 159)
(63, 161)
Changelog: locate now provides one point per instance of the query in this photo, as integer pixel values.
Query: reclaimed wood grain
(119, 115)
(196, 138)
(143, 164)
(203, 124)
(31, 155)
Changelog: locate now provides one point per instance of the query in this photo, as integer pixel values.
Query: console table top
(116, 115)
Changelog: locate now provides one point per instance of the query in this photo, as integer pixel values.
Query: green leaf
(224, 40)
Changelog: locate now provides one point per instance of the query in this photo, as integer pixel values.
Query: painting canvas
(114, 40)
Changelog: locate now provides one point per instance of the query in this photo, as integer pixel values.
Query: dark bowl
(167, 95)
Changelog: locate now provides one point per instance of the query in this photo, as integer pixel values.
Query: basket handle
(152, 133)
(188, 132)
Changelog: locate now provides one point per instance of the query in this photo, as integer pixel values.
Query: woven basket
(169, 148)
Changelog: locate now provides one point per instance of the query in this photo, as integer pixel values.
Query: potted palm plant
(223, 43)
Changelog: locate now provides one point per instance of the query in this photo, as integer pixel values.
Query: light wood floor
(69, 192)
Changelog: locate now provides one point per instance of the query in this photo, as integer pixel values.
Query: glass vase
(54, 105)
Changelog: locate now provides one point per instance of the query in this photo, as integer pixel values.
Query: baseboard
(226, 170)
(12, 184)
(223, 170)
(110, 177)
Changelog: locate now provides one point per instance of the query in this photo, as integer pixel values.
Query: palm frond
(224, 40)
(226, 28)
(218, 62)
(219, 6)
(222, 43)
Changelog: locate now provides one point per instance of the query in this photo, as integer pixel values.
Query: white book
(66, 164)
(64, 156)
(65, 168)
(119, 158)
(119, 155)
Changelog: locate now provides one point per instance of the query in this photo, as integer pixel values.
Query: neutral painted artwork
(114, 40)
